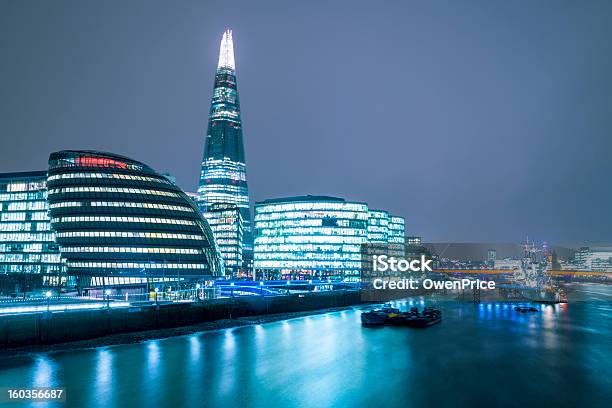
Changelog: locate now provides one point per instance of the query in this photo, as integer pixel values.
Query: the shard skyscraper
(223, 176)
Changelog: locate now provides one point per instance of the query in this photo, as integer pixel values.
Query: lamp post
(197, 295)
(48, 296)
(261, 287)
(156, 291)
(107, 292)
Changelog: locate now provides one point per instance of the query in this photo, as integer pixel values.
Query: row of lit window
(31, 186)
(311, 231)
(307, 248)
(147, 220)
(39, 195)
(311, 239)
(22, 248)
(21, 216)
(111, 190)
(138, 250)
(16, 257)
(225, 242)
(127, 234)
(140, 265)
(296, 215)
(23, 226)
(318, 256)
(24, 205)
(29, 268)
(311, 206)
(226, 187)
(106, 176)
(122, 204)
(221, 171)
(308, 265)
(26, 237)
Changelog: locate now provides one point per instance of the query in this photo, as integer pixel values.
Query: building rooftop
(23, 174)
(301, 199)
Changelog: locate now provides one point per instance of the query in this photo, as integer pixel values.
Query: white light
(107, 292)
(261, 283)
(48, 294)
(156, 290)
(197, 286)
(226, 53)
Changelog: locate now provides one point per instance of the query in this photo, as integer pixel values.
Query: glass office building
(117, 221)
(225, 222)
(223, 175)
(27, 244)
(378, 227)
(397, 230)
(309, 236)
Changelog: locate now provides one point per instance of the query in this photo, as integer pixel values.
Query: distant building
(491, 255)
(27, 243)
(413, 241)
(226, 223)
(397, 230)
(118, 222)
(594, 259)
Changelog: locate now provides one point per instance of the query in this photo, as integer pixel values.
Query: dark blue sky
(475, 120)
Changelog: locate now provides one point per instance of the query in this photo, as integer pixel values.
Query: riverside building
(27, 243)
(312, 237)
(118, 222)
(223, 176)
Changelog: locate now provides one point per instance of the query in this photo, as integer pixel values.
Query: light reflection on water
(480, 353)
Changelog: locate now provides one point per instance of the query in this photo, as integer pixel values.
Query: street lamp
(261, 287)
(48, 296)
(197, 290)
(156, 291)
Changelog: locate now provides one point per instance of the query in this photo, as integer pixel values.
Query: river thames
(480, 354)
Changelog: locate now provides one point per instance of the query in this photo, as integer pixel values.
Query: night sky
(476, 121)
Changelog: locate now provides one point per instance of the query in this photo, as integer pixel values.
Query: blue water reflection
(559, 356)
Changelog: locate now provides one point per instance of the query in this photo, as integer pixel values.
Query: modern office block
(310, 236)
(223, 175)
(27, 243)
(225, 221)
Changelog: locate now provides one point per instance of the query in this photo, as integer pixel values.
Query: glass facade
(397, 230)
(320, 236)
(225, 221)
(378, 227)
(116, 217)
(27, 244)
(310, 236)
(223, 176)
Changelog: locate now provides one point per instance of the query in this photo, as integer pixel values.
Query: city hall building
(118, 222)
(314, 237)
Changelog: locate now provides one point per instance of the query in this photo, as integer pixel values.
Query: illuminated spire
(226, 53)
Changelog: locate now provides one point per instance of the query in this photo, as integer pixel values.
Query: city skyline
(513, 125)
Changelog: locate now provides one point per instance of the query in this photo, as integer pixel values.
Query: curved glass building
(309, 236)
(117, 218)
